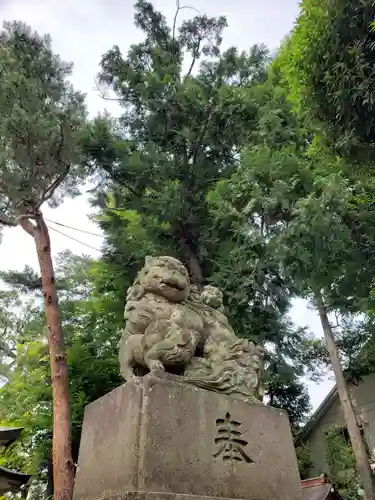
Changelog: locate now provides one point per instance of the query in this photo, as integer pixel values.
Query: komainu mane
(172, 327)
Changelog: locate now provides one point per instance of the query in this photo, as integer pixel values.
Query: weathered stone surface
(160, 331)
(172, 326)
(156, 437)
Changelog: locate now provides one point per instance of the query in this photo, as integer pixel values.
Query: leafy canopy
(316, 220)
(328, 64)
(181, 132)
(41, 116)
(91, 335)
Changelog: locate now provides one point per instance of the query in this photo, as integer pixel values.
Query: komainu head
(213, 297)
(165, 276)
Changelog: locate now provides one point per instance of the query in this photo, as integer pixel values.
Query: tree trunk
(192, 263)
(186, 239)
(194, 268)
(366, 475)
(63, 475)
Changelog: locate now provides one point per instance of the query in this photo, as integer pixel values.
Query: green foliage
(341, 461)
(328, 63)
(41, 119)
(179, 136)
(26, 399)
(91, 335)
(302, 206)
(285, 392)
(355, 340)
(168, 148)
(26, 281)
(316, 231)
(304, 460)
(10, 324)
(173, 178)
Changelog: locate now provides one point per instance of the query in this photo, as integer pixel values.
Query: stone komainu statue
(170, 326)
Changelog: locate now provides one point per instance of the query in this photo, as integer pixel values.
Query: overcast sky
(81, 32)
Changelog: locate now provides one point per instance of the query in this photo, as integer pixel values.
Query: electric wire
(74, 239)
(74, 228)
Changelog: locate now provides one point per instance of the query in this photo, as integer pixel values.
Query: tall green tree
(328, 64)
(305, 205)
(41, 119)
(180, 129)
(180, 134)
(91, 337)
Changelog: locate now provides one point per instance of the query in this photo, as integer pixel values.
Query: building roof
(10, 480)
(318, 414)
(8, 435)
(318, 488)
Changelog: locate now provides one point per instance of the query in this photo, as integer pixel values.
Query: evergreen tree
(41, 119)
(328, 64)
(180, 134)
(91, 337)
(305, 205)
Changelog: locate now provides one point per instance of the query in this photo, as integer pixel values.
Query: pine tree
(180, 134)
(41, 119)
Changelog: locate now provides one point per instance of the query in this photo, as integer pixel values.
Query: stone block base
(157, 496)
(155, 438)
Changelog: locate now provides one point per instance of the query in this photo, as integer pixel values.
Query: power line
(117, 254)
(74, 239)
(74, 228)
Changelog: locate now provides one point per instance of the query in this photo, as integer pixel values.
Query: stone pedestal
(155, 438)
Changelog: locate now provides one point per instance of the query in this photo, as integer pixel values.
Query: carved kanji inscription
(229, 443)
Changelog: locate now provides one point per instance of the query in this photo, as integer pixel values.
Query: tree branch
(50, 191)
(203, 133)
(102, 96)
(193, 61)
(22, 220)
(27, 225)
(117, 179)
(178, 8)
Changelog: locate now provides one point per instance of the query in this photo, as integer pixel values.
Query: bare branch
(24, 220)
(178, 8)
(103, 96)
(193, 61)
(50, 191)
